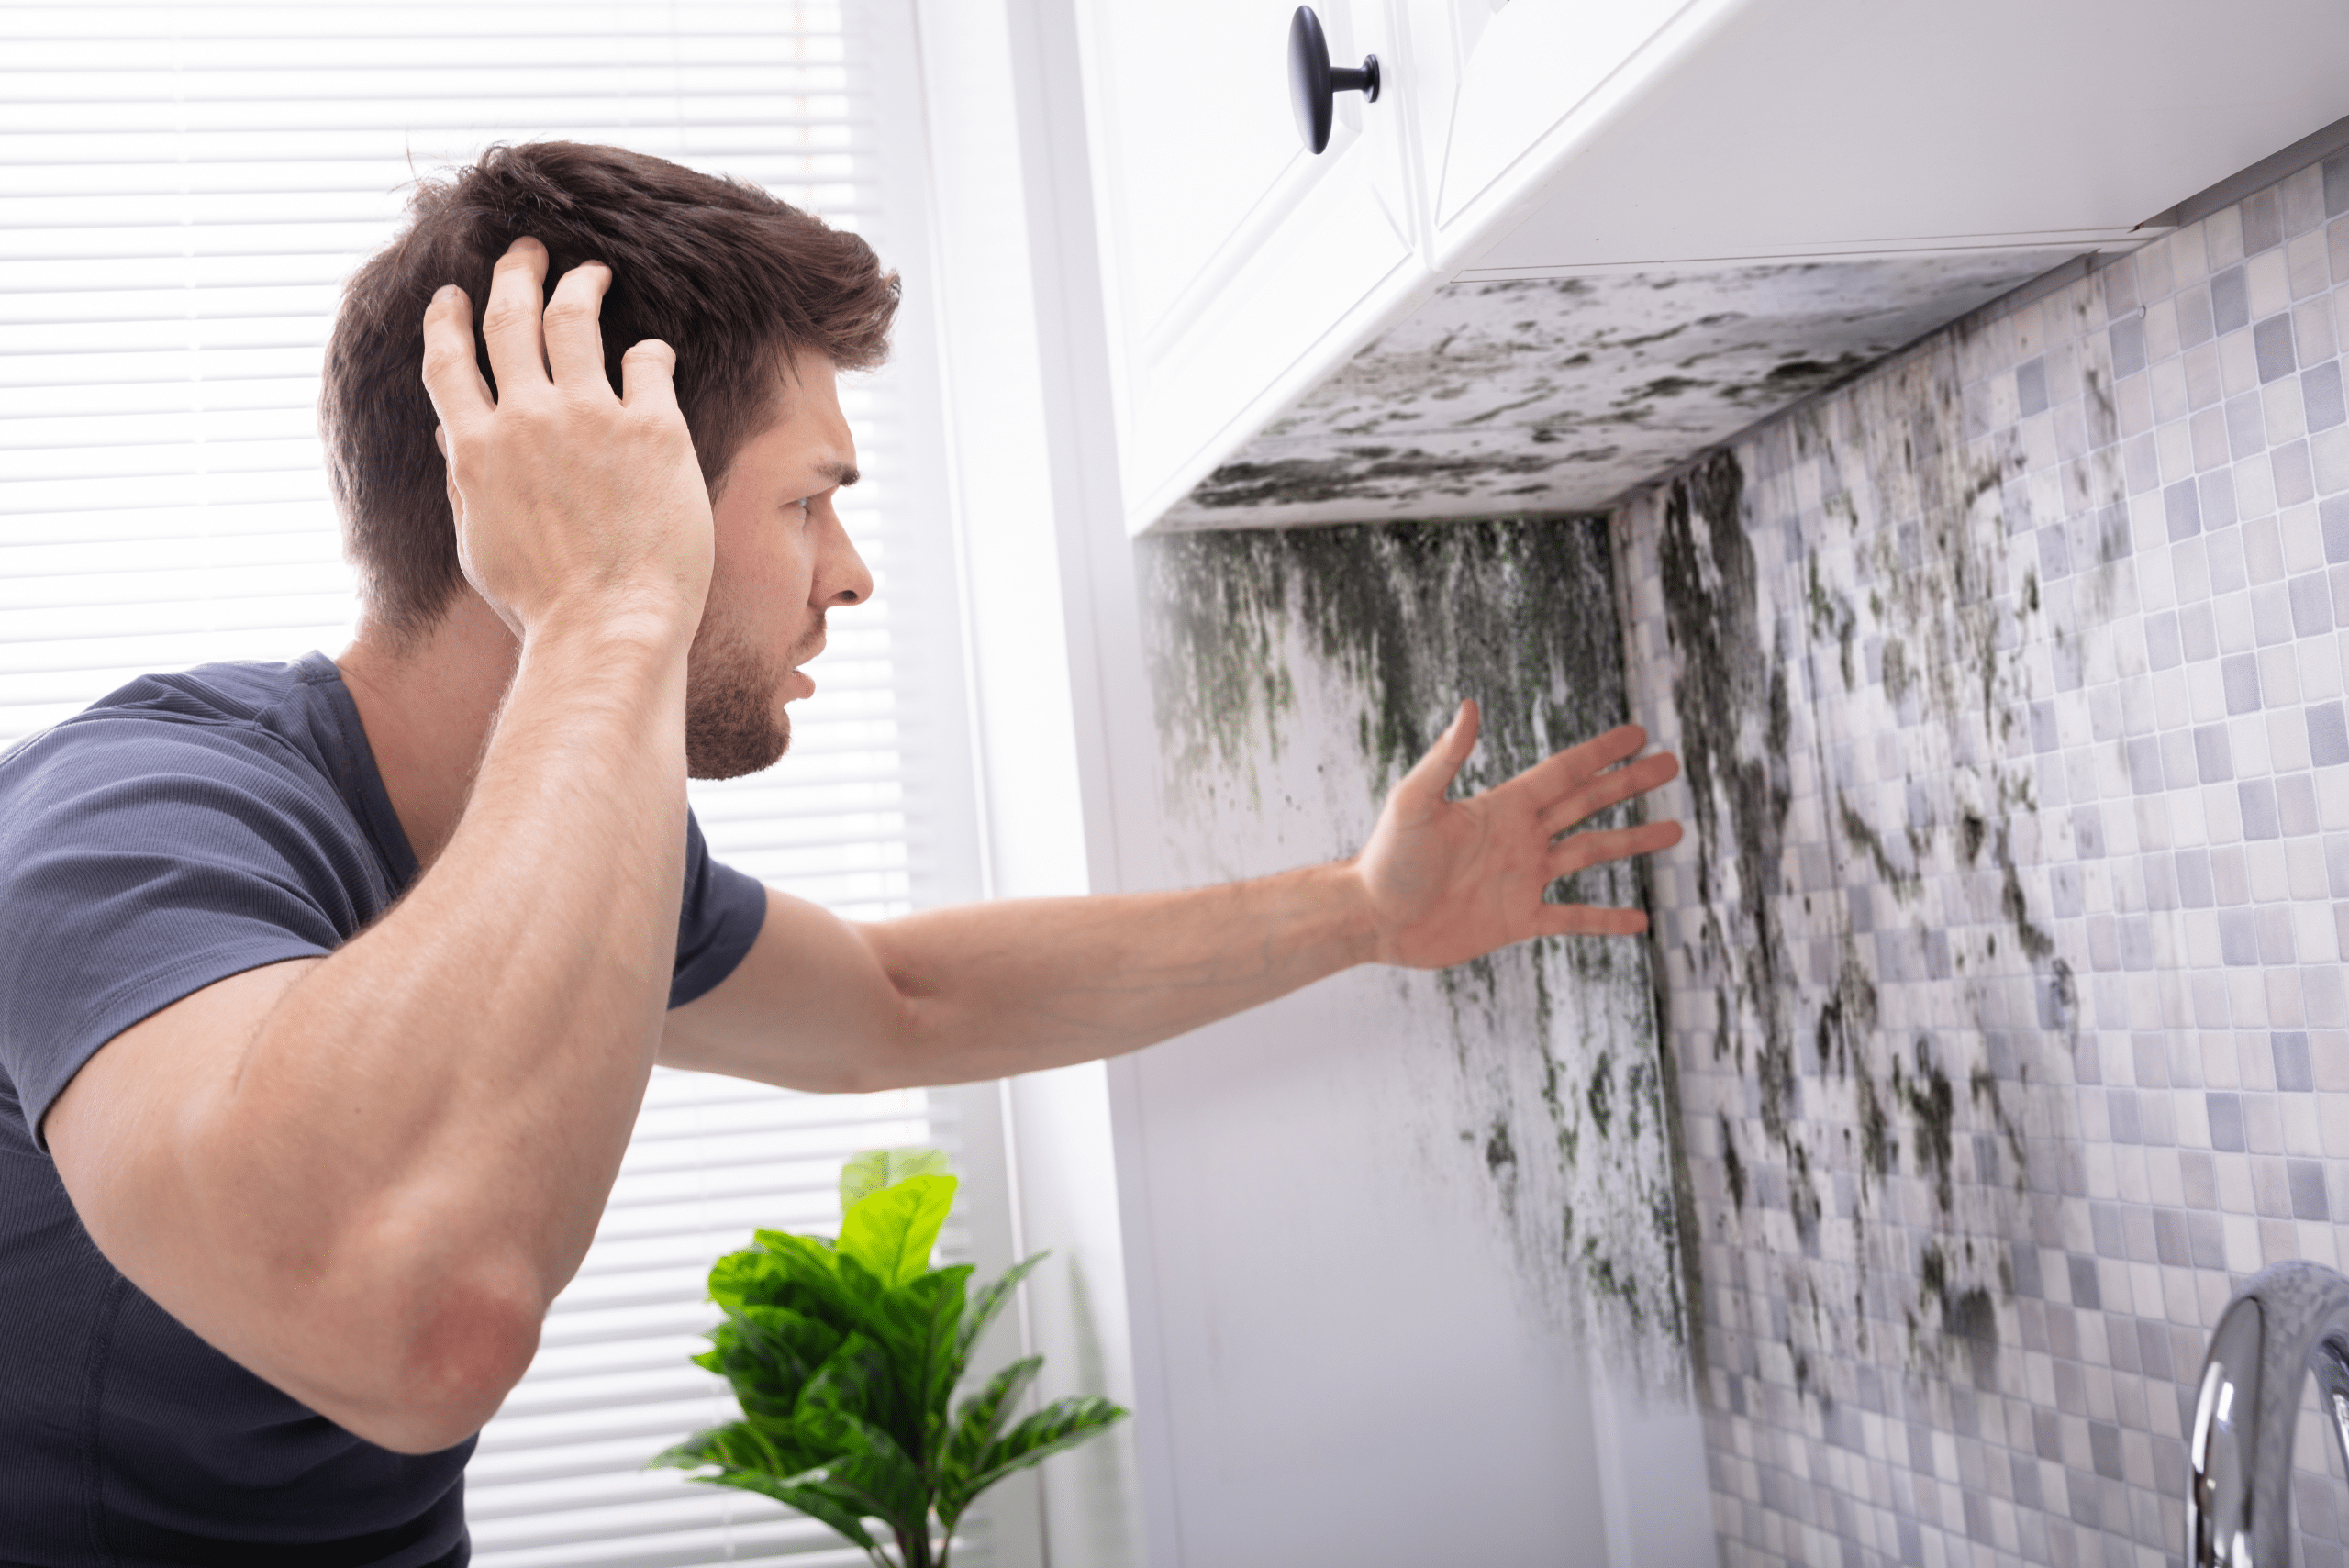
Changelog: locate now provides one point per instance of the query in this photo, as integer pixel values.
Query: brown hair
(724, 273)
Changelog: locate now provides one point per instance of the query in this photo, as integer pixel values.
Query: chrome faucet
(2289, 1320)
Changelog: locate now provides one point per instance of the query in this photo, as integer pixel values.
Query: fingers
(1433, 773)
(648, 374)
(1553, 776)
(1588, 920)
(1616, 784)
(573, 327)
(1584, 850)
(459, 393)
(512, 325)
(449, 477)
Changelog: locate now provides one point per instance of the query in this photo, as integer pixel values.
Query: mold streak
(1296, 675)
(1562, 393)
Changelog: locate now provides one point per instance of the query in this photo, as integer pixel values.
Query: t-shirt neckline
(364, 786)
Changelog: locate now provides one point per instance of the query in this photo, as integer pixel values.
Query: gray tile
(2320, 395)
(2031, 386)
(2257, 797)
(2184, 509)
(2296, 810)
(2238, 675)
(2230, 301)
(2336, 184)
(2311, 598)
(2272, 345)
(2065, 963)
(2328, 737)
(2332, 515)
(2263, 222)
(2307, 1180)
(2290, 1049)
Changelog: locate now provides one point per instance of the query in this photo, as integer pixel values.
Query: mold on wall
(1561, 394)
(1298, 674)
(2001, 964)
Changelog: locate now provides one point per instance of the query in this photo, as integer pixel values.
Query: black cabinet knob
(1313, 84)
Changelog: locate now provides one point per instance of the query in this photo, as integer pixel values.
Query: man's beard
(734, 725)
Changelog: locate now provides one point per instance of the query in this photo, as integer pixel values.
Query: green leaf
(1061, 1425)
(839, 1418)
(848, 1393)
(836, 1506)
(792, 1342)
(870, 1169)
(916, 1325)
(735, 1446)
(980, 1419)
(748, 1460)
(768, 1353)
(764, 1391)
(891, 1231)
(859, 1289)
(881, 1484)
(798, 1271)
(983, 1307)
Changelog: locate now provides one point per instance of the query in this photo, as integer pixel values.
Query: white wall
(1035, 705)
(1265, 1239)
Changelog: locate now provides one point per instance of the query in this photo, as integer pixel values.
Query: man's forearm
(1000, 988)
(984, 990)
(368, 1192)
(1010, 987)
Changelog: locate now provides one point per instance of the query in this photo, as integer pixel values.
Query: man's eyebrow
(839, 471)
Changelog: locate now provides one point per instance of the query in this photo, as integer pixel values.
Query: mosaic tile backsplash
(2003, 959)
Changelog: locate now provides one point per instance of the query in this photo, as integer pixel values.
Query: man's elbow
(450, 1362)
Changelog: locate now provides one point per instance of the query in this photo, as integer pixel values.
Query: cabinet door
(1232, 257)
(1498, 78)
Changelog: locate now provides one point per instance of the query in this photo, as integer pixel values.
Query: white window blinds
(182, 188)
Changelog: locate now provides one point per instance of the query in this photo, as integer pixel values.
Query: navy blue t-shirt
(186, 829)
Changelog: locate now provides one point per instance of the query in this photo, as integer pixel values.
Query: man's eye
(806, 503)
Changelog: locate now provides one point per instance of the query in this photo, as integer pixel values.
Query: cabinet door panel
(1228, 373)
(1196, 136)
(1229, 251)
(1533, 64)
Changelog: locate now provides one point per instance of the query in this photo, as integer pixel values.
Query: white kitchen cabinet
(1974, 146)
(1232, 255)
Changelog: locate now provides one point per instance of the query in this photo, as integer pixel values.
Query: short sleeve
(719, 920)
(141, 860)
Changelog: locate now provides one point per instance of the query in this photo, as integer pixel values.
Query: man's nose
(841, 576)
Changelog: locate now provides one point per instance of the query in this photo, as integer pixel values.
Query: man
(328, 991)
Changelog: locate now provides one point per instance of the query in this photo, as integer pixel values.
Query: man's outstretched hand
(1451, 880)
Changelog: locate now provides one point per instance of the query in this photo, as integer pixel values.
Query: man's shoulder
(231, 694)
(227, 708)
(248, 739)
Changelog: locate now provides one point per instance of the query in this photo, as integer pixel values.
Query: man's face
(782, 560)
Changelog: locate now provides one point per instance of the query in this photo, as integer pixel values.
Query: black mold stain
(1724, 674)
(1600, 1095)
(1733, 1165)
(1932, 1103)
(1915, 539)
(1500, 1156)
(1968, 1315)
(1364, 474)
(1592, 365)
(1576, 1122)
(1904, 884)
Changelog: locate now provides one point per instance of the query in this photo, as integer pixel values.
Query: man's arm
(363, 1177)
(978, 992)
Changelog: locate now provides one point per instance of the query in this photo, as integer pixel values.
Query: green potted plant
(844, 1355)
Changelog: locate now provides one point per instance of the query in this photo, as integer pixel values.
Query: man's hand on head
(569, 501)
(1449, 880)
